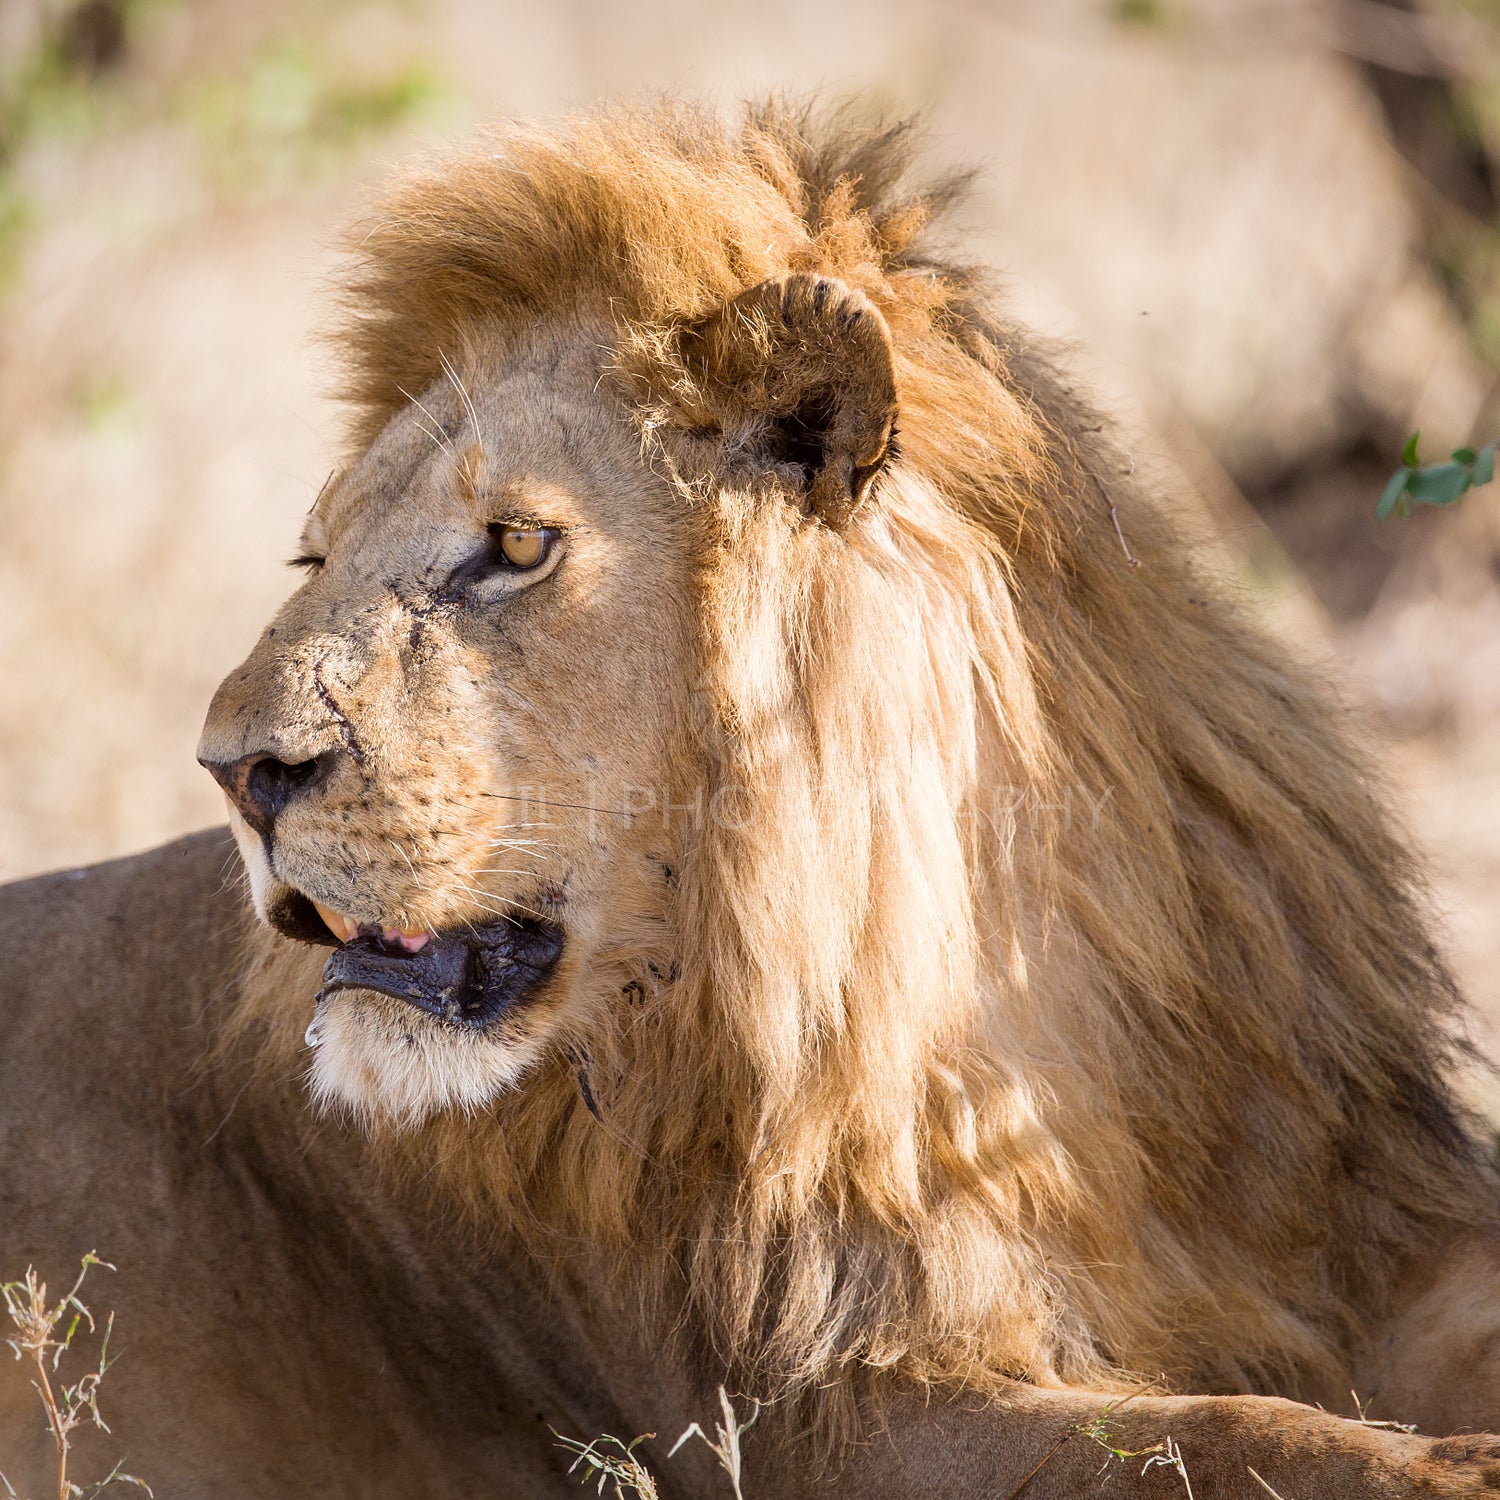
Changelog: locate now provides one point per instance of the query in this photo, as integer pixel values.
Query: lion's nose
(260, 786)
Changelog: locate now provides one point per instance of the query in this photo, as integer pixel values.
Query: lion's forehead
(540, 440)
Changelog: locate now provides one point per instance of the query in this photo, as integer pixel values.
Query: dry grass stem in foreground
(609, 1458)
(66, 1405)
(1261, 1482)
(725, 1443)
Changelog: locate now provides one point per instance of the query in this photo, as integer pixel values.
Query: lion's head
(779, 799)
(445, 752)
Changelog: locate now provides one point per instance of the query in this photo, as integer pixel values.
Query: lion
(771, 866)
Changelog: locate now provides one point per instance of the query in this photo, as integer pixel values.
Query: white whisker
(442, 442)
(487, 900)
(404, 855)
(467, 400)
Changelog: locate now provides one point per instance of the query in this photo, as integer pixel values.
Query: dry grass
(47, 1332)
(611, 1460)
(44, 1334)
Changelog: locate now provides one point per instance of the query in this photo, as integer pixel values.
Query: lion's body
(1027, 994)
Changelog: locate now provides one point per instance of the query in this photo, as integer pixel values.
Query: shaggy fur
(1062, 1006)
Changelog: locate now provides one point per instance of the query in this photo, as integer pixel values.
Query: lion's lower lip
(470, 978)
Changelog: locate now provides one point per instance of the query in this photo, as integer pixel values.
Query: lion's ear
(802, 365)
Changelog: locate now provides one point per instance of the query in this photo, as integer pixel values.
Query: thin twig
(1379, 1423)
(1261, 1482)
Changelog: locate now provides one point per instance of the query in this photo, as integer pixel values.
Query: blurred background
(1268, 227)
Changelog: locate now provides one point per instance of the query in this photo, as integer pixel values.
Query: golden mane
(1066, 1008)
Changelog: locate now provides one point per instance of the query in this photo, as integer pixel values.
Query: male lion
(848, 915)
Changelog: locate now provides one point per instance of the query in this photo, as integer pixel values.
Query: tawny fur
(1063, 1004)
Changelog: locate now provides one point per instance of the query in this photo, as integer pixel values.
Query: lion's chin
(400, 1032)
(380, 1061)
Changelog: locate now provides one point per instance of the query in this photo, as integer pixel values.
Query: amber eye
(522, 546)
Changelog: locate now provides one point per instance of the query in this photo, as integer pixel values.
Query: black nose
(260, 785)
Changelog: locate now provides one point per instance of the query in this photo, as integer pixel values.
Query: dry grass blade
(725, 1443)
(1170, 1457)
(1362, 1416)
(609, 1458)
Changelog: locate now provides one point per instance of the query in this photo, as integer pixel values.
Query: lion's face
(461, 755)
(445, 752)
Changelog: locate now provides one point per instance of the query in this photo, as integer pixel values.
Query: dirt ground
(1265, 227)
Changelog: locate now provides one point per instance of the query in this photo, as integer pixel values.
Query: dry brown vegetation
(612, 1461)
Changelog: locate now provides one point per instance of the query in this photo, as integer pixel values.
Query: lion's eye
(511, 550)
(522, 547)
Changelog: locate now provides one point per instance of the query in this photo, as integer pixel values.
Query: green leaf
(1482, 470)
(1435, 484)
(1438, 484)
(1394, 490)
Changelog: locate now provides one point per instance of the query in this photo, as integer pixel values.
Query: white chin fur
(385, 1063)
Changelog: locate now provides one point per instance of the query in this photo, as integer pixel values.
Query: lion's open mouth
(470, 977)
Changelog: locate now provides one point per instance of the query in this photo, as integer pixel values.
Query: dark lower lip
(471, 978)
(294, 916)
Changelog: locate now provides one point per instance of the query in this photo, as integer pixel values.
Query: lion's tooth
(342, 927)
